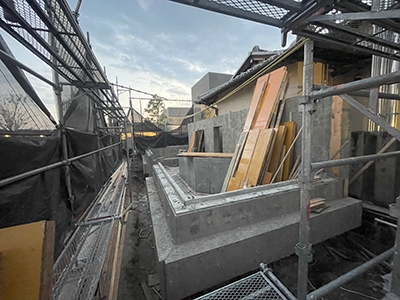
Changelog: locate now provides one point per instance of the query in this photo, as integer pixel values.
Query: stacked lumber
(264, 142)
(317, 205)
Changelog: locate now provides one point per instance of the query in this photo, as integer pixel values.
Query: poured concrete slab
(235, 231)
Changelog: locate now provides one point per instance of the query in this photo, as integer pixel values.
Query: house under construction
(283, 161)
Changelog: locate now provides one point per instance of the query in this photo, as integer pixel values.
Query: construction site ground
(332, 258)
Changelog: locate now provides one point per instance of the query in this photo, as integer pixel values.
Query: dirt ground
(331, 259)
(138, 259)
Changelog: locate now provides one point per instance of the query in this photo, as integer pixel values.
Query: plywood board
(26, 263)
(247, 155)
(235, 160)
(260, 152)
(244, 160)
(258, 96)
(276, 152)
(290, 135)
(270, 100)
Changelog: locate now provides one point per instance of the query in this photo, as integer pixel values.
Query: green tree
(156, 110)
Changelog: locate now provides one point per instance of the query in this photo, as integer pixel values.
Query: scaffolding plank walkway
(77, 270)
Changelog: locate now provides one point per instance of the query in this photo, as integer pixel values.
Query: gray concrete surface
(166, 155)
(228, 234)
(187, 267)
(231, 126)
(206, 215)
(204, 174)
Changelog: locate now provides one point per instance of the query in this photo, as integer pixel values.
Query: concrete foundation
(204, 241)
(166, 155)
(204, 174)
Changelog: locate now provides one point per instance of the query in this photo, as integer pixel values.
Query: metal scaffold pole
(395, 287)
(303, 247)
(64, 147)
(128, 161)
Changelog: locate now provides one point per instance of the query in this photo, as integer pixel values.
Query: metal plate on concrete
(256, 286)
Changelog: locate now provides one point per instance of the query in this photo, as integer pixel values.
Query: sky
(158, 46)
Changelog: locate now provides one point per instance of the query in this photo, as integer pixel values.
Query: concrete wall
(227, 211)
(166, 155)
(204, 174)
(206, 241)
(231, 127)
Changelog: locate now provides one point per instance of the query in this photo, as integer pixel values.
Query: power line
(146, 93)
(178, 100)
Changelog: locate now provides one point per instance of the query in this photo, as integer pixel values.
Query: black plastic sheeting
(44, 196)
(162, 139)
(90, 173)
(40, 197)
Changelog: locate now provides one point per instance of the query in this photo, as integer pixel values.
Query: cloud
(145, 4)
(166, 48)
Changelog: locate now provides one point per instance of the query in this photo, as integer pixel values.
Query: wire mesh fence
(256, 287)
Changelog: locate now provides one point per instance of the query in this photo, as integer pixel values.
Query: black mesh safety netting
(161, 138)
(90, 173)
(140, 123)
(39, 197)
(29, 139)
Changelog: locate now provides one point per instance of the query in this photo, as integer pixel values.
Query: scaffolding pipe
(16, 178)
(385, 222)
(128, 160)
(352, 160)
(346, 88)
(350, 275)
(303, 247)
(372, 116)
(64, 147)
(395, 287)
(5, 56)
(271, 276)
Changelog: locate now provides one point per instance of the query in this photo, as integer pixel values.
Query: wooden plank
(205, 154)
(26, 264)
(264, 171)
(336, 129)
(191, 142)
(278, 111)
(296, 163)
(235, 160)
(280, 171)
(234, 184)
(247, 155)
(270, 100)
(258, 95)
(276, 122)
(244, 161)
(368, 164)
(261, 148)
(116, 267)
(290, 135)
(146, 291)
(276, 152)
